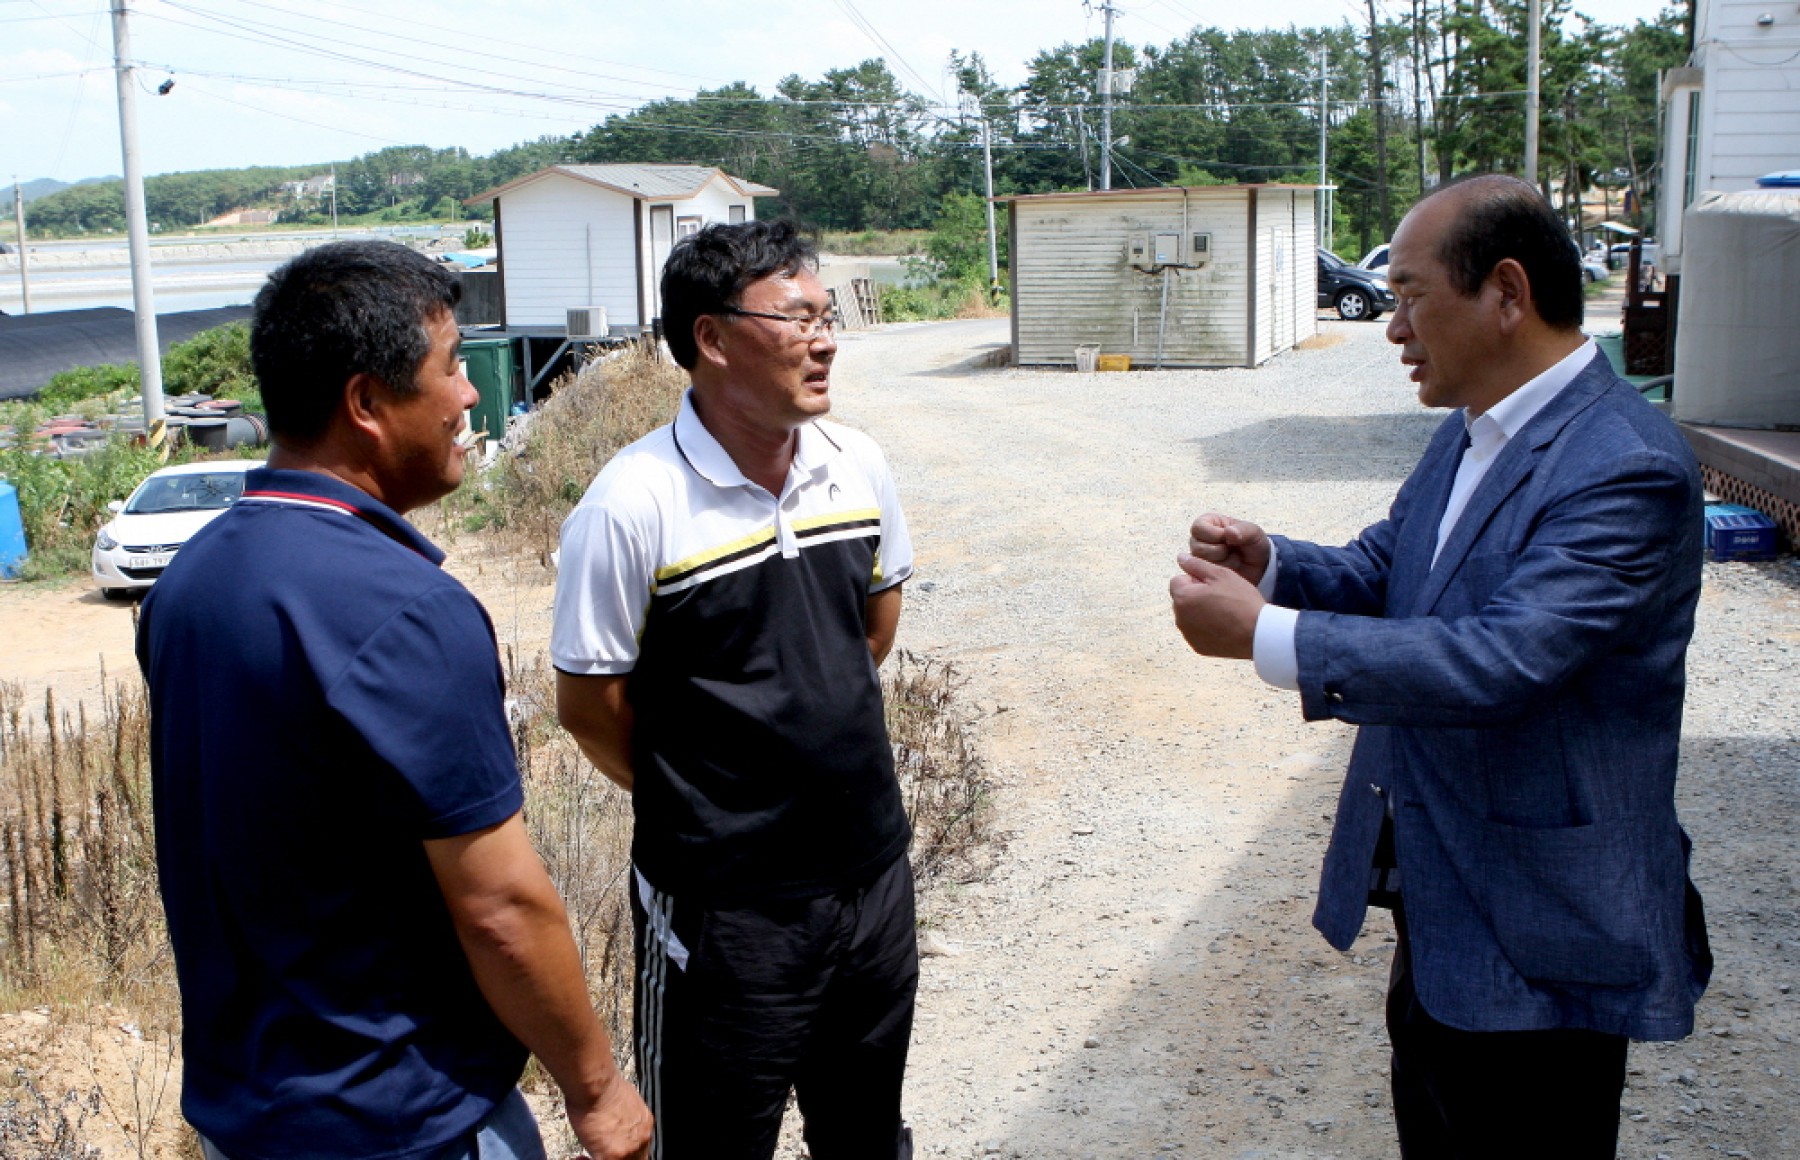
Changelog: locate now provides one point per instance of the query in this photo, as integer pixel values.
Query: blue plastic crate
(1735, 532)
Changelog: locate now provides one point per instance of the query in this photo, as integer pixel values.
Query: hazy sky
(294, 81)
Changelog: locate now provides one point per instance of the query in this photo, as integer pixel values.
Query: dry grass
(943, 778)
(581, 825)
(83, 919)
(1324, 340)
(585, 422)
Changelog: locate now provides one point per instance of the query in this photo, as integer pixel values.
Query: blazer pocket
(1565, 907)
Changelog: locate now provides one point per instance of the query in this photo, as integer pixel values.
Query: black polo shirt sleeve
(445, 738)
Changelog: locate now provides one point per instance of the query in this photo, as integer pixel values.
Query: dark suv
(1359, 295)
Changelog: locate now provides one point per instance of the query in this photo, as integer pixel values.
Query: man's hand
(1234, 544)
(616, 1126)
(1215, 607)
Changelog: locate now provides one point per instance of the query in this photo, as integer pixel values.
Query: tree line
(1414, 99)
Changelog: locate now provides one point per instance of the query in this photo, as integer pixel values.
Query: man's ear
(364, 403)
(709, 338)
(1514, 287)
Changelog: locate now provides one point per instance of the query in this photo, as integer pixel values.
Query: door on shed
(662, 240)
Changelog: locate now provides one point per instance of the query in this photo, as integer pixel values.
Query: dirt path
(1140, 977)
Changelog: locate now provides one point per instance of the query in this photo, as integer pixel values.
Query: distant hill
(44, 186)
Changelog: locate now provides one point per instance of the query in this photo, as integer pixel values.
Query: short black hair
(707, 272)
(1508, 217)
(338, 310)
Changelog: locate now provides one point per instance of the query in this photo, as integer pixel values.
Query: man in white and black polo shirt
(728, 586)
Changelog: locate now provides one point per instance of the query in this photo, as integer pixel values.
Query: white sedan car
(163, 512)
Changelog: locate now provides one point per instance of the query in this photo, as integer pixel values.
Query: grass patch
(874, 243)
(941, 300)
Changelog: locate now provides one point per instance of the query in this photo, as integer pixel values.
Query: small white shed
(573, 237)
(1204, 276)
(1733, 115)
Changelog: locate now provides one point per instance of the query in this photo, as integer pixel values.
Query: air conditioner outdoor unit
(587, 322)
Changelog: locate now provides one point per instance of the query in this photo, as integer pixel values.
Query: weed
(77, 856)
(34, 1128)
(943, 778)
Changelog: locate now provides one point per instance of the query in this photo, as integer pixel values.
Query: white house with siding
(1206, 276)
(574, 236)
(1733, 114)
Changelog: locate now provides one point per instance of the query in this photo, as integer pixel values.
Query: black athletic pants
(813, 996)
(1471, 1095)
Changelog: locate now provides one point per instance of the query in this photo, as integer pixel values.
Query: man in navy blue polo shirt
(366, 943)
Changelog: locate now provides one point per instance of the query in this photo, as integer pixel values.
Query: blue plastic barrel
(12, 532)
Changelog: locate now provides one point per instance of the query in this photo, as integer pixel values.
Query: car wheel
(1353, 306)
(116, 593)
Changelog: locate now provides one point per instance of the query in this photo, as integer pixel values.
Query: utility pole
(1418, 39)
(1106, 137)
(19, 221)
(1534, 52)
(137, 221)
(987, 160)
(1325, 238)
(1378, 103)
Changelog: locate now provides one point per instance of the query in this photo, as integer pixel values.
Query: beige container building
(1204, 276)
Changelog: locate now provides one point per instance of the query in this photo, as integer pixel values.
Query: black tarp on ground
(33, 347)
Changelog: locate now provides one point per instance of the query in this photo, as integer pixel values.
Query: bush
(62, 502)
(959, 240)
(214, 362)
(476, 238)
(71, 387)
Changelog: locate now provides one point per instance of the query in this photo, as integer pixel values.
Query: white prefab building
(1733, 115)
(578, 237)
(1208, 276)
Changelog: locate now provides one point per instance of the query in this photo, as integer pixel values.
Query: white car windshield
(187, 493)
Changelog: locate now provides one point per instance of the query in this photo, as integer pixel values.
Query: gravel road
(1140, 976)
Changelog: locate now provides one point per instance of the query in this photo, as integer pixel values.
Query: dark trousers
(1470, 1095)
(813, 996)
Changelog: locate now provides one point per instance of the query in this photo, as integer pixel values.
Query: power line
(881, 41)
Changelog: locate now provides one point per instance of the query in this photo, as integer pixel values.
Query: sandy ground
(1140, 978)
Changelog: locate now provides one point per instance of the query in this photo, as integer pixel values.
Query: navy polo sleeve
(425, 692)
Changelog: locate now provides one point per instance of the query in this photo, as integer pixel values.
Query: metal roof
(644, 182)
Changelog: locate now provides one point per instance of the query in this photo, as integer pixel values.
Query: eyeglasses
(805, 325)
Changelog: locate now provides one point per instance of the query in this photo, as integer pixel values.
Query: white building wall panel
(1073, 285)
(568, 243)
(711, 204)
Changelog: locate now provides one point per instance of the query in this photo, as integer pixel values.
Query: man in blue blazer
(1511, 640)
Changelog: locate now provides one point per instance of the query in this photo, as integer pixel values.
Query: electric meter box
(1165, 249)
(1137, 252)
(1201, 253)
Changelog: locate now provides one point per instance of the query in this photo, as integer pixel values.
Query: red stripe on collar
(298, 497)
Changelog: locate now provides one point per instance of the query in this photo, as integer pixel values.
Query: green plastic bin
(492, 365)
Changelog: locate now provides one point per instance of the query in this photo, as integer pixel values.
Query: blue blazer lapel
(1517, 460)
(1435, 475)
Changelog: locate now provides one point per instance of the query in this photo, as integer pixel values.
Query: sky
(288, 82)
